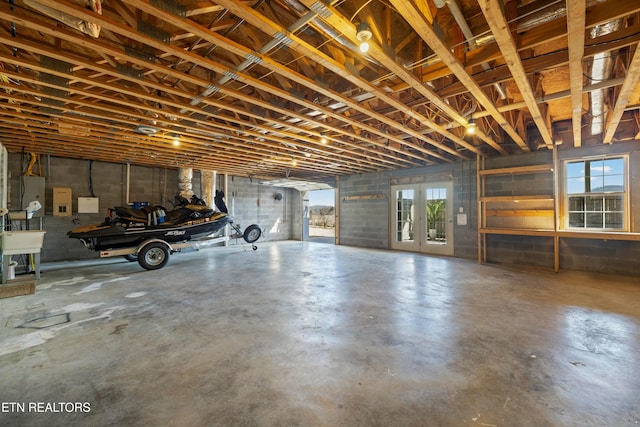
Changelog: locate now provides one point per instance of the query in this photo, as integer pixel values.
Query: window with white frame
(596, 193)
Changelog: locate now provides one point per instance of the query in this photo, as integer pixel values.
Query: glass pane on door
(404, 218)
(436, 216)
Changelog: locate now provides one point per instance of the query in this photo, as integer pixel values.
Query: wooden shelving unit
(503, 208)
(519, 214)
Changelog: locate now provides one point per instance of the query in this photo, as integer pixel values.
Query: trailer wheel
(252, 233)
(153, 256)
(131, 257)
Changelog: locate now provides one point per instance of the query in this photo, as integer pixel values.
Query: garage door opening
(322, 216)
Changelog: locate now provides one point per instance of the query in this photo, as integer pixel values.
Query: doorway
(321, 216)
(422, 216)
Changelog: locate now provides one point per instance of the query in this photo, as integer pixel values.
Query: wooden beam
(364, 197)
(270, 27)
(502, 33)
(191, 57)
(200, 8)
(630, 83)
(422, 26)
(550, 32)
(625, 37)
(253, 17)
(344, 26)
(576, 11)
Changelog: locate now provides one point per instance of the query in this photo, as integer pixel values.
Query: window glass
(576, 203)
(575, 185)
(593, 203)
(595, 193)
(575, 170)
(594, 220)
(576, 219)
(613, 166)
(613, 183)
(613, 203)
(613, 220)
(596, 184)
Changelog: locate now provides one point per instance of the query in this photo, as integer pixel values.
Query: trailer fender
(147, 242)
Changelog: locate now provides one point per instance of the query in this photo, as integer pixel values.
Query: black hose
(91, 178)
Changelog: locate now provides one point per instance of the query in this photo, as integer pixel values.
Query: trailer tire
(131, 257)
(153, 256)
(252, 233)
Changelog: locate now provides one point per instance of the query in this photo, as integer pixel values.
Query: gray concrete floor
(304, 334)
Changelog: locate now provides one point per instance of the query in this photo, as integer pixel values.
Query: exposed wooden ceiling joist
(630, 83)
(501, 31)
(425, 30)
(575, 28)
(252, 86)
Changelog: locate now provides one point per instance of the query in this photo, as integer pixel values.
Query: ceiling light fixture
(323, 138)
(145, 130)
(364, 35)
(176, 139)
(471, 126)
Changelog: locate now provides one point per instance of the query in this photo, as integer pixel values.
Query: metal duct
(471, 39)
(543, 16)
(213, 88)
(600, 71)
(301, 10)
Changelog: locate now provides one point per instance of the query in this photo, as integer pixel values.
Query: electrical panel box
(88, 205)
(32, 189)
(62, 201)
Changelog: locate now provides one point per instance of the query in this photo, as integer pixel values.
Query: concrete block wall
(526, 250)
(254, 203)
(465, 237)
(521, 185)
(367, 222)
(596, 255)
(154, 185)
(600, 256)
(364, 222)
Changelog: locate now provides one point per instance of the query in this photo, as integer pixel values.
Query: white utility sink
(21, 242)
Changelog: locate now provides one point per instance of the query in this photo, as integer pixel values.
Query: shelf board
(532, 198)
(600, 235)
(563, 234)
(518, 170)
(518, 231)
(519, 212)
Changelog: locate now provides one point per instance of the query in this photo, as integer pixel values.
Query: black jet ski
(188, 220)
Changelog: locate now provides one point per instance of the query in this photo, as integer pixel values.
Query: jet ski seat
(130, 213)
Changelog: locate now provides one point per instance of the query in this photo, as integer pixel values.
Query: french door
(422, 216)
